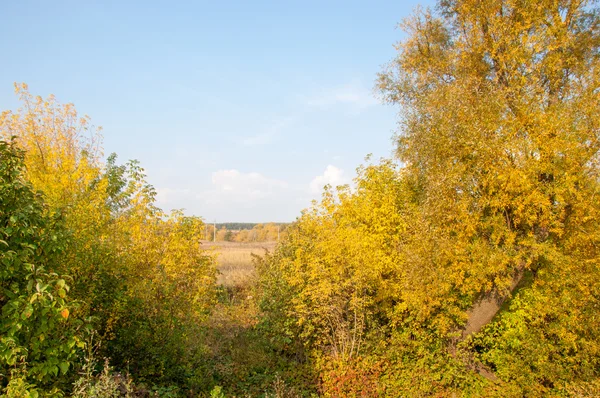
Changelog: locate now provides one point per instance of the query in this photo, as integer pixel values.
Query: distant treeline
(245, 232)
(238, 226)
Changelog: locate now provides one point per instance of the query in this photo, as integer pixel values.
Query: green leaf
(27, 312)
(64, 367)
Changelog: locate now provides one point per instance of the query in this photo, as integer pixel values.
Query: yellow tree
(62, 147)
(62, 159)
(242, 236)
(500, 114)
(139, 272)
(499, 144)
(330, 288)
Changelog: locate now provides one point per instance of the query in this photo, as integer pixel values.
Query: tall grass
(234, 260)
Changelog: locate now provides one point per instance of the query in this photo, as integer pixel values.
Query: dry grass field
(235, 259)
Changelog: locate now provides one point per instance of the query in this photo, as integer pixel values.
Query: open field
(235, 259)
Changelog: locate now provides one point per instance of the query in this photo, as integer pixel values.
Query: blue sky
(238, 111)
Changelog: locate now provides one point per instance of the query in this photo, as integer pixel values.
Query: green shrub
(37, 332)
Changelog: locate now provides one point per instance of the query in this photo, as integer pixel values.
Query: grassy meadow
(241, 357)
(234, 260)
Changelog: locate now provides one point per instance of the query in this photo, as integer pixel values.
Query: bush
(38, 335)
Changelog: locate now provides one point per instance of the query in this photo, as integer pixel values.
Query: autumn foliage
(139, 278)
(495, 198)
(468, 265)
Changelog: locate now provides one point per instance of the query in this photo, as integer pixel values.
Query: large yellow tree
(500, 114)
(473, 269)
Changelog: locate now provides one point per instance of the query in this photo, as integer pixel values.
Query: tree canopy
(494, 199)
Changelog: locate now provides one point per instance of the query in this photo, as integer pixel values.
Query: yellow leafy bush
(140, 274)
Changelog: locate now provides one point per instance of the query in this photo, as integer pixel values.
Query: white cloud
(166, 196)
(234, 195)
(236, 186)
(348, 94)
(332, 175)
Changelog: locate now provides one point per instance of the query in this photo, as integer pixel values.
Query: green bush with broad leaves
(38, 337)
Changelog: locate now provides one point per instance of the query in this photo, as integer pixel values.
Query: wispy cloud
(258, 139)
(246, 196)
(235, 186)
(168, 196)
(353, 94)
(268, 134)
